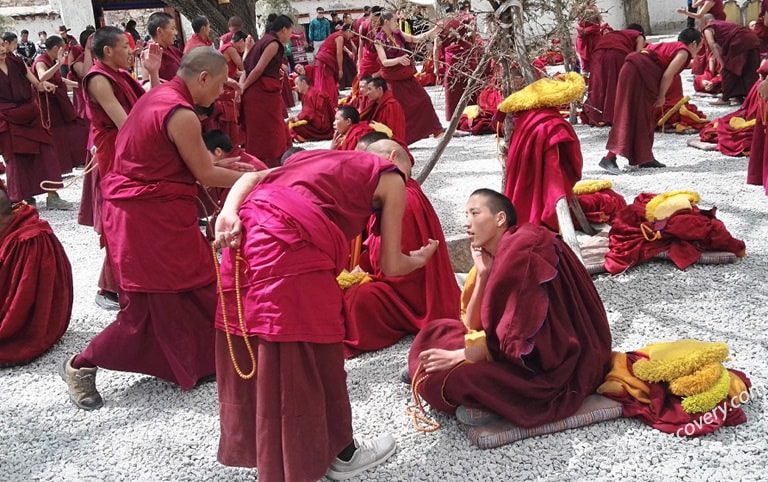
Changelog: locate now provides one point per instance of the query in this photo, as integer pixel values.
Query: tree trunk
(636, 11)
(218, 14)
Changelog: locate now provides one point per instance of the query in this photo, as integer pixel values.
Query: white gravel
(149, 430)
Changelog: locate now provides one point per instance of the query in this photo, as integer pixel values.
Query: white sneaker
(369, 453)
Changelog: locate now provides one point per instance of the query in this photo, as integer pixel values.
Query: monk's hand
(659, 102)
(681, 10)
(482, 259)
(61, 55)
(228, 228)
(47, 86)
(436, 359)
(425, 252)
(234, 164)
(404, 60)
(152, 57)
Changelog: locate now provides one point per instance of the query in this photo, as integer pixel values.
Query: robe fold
(546, 330)
(757, 169)
(543, 165)
(318, 110)
(379, 313)
(685, 235)
(601, 206)
(36, 290)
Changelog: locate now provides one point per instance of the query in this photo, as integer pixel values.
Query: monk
(162, 28)
(266, 134)
(165, 324)
(315, 121)
(348, 129)
(35, 283)
(380, 312)
(226, 114)
(292, 419)
(544, 343)
(70, 134)
(225, 154)
(234, 24)
(737, 49)
(385, 109)
(609, 54)
(457, 44)
(329, 62)
(111, 93)
(716, 8)
(201, 36)
(233, 51)
(757, 169)
(588, 32)
(644, 79)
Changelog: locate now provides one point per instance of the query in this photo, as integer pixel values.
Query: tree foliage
(218, 14)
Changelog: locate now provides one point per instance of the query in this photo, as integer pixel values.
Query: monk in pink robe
(757, 169)
(201, 36)
(588, 33)
(165, 324)
(162, 28)
(291, 416)
(35, 284)
(545, 344)
(315, 121)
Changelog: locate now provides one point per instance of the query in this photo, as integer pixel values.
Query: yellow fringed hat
(472, 111)
(665, 205)
(589, 186)
(546, 93)
(670, 360)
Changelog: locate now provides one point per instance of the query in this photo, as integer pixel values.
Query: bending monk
(315, 121)
(35, 284)
(167, 303)
(547, 343)
(292, 419)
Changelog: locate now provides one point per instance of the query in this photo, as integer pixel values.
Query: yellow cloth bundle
(589, 186)
(673, 111)
(546, 93)
(348, 280)
(670, 360)
(379, 127)
(666, 204)
(740, 123)
(472, 111)
(685, 112)
(298, 123)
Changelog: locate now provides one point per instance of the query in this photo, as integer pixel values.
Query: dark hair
(217, 138)
(238, 36)
(350, 113)
(105, 37)
(157, 20)
(289, 153)
(198, 23)
(367, 79)
(53, 41)
(320, 9)
(378, 83)
(367, 8)
(689, 35)
(42, 32)
(24, 31)
(83, 38)
(498, 202)
(8, 36)
(370, 138)
(346, 27)
(334, 14)
(235, 22)
(130, 24)
(281, 22)
(387, 16)
(637, 27)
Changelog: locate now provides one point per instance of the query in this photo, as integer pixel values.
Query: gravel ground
(149, 430)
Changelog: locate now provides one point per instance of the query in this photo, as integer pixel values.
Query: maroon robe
(543, 165)
(457, 42)
(546, 331)
(587, 36)
(757, 169)
(389, 112)
(266, 134)
(740, 49)
(369, 61)
(685, 235)
(167, 303)
(25, 145)
(327, 73)
(382, 311)
(70, 134)
(348, 142)
(318, 110)
(294, 417)
(601, 206)
(420, 118)
(35, 287)
(169, 62)
(195, 41)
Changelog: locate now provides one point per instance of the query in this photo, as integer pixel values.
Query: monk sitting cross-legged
(315, 121)
(348, 129)
(536, 341)
(385, 109)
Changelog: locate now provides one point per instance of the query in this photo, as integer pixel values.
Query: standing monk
(266, 134)
(643, 81)
(757, 170)
(165, 324)
(162, 29)
(457, 43)
(329, 62)
(737, 49)
(235, 24)
(291, 416)
(716, 8)
(315, 121)
(201, 36)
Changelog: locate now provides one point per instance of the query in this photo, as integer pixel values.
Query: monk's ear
(501, 219)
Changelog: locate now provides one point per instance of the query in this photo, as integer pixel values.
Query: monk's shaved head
(392, 151)
(201, 59)
(708, 17)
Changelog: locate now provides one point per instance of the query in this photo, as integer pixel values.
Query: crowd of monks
(317, 220)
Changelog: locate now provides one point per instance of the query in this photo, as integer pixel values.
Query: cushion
(498, 432)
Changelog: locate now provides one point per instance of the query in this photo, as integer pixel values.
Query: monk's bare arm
(184, 131)
(385, 62)
(390, 195)
(234, 56)
(709, 36)
(44, 74)
(639, 43)
(101, 91)
(680, 59)
(269, 53)
(340, 55)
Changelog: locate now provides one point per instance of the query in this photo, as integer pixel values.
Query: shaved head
(201, 59)
(392, 151)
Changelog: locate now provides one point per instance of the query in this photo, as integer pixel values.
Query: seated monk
(385, 109)
(544, 343)
(35, 284)
(315, 121)
(348, 129)
(378, 313)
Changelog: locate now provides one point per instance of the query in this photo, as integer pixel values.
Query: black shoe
(653, 163)
(609, 164)
(405, 376)
(107, 300)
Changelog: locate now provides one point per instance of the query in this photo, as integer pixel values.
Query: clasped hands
(234, 164)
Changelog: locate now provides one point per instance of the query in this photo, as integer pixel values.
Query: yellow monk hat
(472, 111)
(665, 205)
(589, 186)
(670, 360)
(546, 93)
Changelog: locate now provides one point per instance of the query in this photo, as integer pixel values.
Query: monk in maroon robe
(266, 134)
(291, 416)
(329, 62)
(348, 129)
(317, 114)
(543, 165)
(457, 43)
(644, 80)
(380, 312)
(35, 284)
(165, 324)
(588, 33)
(609, 54)
(716, 8)
(737, 49)
(547, 343)
(162, 28)
(201, 36)
(757, 170)
(385, 109)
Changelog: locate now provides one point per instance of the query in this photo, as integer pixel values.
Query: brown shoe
(81, 385)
